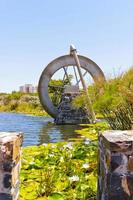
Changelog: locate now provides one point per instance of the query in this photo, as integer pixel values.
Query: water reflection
(37, 130)
(54, 133)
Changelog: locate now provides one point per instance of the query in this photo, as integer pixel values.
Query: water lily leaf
(56, 196)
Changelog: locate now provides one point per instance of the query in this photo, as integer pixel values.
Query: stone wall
(10, 152)
(67, 114)
(115, 180)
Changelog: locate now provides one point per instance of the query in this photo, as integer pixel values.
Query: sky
(34, 32)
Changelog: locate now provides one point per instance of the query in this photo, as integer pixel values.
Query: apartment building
(28, 88)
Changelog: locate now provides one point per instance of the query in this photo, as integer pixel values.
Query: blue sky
(33, 32)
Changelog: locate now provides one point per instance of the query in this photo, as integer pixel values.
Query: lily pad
(56, 196)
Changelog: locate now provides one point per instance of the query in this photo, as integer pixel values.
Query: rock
(10, 152)
(115, 171)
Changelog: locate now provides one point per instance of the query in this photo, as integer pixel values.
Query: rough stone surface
(67, 114)
(115, 173)
(10, 152)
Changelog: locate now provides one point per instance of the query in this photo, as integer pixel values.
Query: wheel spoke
(79, 79)
(66, 74)
(75, 75)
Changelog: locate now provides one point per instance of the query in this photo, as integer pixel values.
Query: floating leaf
(56, 196)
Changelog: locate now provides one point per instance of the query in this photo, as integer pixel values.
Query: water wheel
(60, 66)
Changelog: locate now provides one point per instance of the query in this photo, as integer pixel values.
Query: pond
(37, 130)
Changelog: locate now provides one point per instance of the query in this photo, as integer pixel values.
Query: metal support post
(73, 52)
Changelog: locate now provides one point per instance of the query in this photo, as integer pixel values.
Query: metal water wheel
(62, 64)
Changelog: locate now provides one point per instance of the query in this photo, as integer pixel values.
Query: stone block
(10, 161)
(115, 173)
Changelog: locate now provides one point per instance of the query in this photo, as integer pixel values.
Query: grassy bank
(21, 103)
(62, 171)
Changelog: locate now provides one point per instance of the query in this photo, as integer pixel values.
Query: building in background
(28, 88)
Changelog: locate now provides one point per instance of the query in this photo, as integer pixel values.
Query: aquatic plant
(60, 171)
